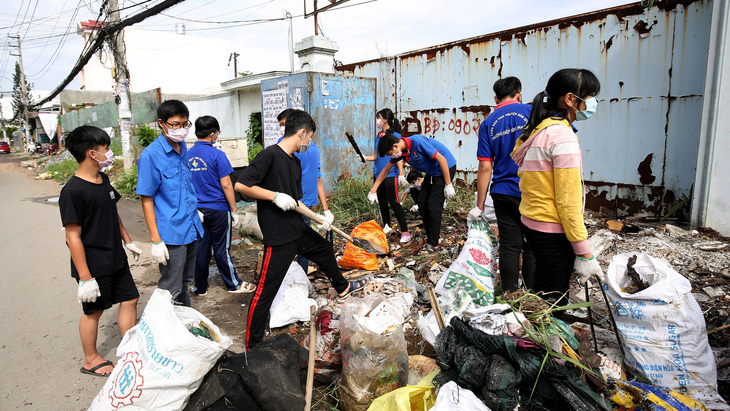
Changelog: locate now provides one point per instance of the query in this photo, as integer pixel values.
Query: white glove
(132, 247)
(372, 197)
(474, 215)
(236, 219)
(402, 181)
(88, 291)
(449, 191)
(285, 201)
(202, 217)
(325, 224)
(414, 209)
(587, 269)
(329, 216)
(159, 253)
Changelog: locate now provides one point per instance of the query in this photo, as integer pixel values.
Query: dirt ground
(46, 335)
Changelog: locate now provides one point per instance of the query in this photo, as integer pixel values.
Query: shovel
(366, 245)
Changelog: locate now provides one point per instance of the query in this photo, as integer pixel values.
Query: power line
(57, 53)
(31, 18)
(99, 41)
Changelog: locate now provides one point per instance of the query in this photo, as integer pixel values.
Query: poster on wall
(274, 102)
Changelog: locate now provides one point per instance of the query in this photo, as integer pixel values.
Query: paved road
(40, 351)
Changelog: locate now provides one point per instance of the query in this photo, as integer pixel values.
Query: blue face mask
(591, 106)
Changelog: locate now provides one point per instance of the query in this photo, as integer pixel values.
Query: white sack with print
(662, 329)
(162, 363)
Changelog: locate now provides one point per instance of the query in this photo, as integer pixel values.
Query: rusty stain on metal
(609, 43)
(644, 170)
(643, 27)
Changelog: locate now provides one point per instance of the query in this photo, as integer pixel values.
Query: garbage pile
(551, 347)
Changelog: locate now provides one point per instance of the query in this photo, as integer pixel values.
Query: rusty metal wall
(337, 103)
(639, 150)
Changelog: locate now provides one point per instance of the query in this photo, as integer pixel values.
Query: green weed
(64, 170)
(126, 184)
(350, 205)
(146, 135)
(116, 146)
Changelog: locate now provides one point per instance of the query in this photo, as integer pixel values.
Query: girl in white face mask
(550, 169)
(387, 193)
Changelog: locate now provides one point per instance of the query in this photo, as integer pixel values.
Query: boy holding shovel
(274, 180)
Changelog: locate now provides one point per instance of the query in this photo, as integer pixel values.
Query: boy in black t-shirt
(274, 179)
(94, 235)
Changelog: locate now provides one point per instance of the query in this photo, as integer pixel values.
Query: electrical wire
(57, 53)
(48, 38)
(31, 18)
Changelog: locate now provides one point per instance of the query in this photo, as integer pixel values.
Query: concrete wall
(640, 149)
(224, 107)
(711, 199)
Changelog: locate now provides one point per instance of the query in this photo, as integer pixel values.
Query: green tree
(18, 94)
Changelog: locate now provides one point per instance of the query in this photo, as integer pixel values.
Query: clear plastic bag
(372, 364)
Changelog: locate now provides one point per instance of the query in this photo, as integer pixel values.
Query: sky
(363, 29)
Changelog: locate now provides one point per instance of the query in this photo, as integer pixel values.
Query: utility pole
(121, 78)
(2, 120)
(25, 121)
(234, 57)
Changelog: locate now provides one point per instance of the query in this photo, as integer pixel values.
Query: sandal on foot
(427, 249)
(92, 370)
(356, 285)
(245, 287)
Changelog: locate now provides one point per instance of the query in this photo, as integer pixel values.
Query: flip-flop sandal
(244, 288)
(356, 285)
(427, 249)
(92, 370)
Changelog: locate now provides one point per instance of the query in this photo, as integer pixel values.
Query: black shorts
(115, 288)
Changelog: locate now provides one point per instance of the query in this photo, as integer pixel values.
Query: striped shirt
(550, 171)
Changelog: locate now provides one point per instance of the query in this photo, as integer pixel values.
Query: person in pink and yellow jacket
(550, 169)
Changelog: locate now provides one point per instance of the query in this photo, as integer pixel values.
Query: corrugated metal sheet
(640, 149)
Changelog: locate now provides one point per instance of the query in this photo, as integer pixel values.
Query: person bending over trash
(436, 161)
(211, 178)
(312, 187)
(415, 179)
(274, 180)
(94, 236)
(550, 169)
(169, 202)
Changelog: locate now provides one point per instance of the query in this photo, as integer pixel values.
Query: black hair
(386, 144)
(413, 175)
(297, 120)
(393, 123)
(580, 82)
(284, 114)
(507, 87)
(85, 138)
(204, 125)
(171, 108)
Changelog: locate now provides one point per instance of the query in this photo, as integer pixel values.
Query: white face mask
(396, 154)
(379, 124)
(281, 131)
(109, 158)
(177, 135)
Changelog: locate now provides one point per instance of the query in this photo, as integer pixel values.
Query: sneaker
(194, 291)
(387, 230)
(405, 237)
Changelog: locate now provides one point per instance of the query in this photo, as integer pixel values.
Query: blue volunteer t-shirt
(498, 134)
(421, 153)
(311, 171)
(380, 162)
(208, 165)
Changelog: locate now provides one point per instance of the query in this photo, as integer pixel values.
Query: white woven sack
(161, 362)
(662, 329)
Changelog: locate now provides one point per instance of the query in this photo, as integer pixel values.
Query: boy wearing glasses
(216, 200)
(169, 202)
